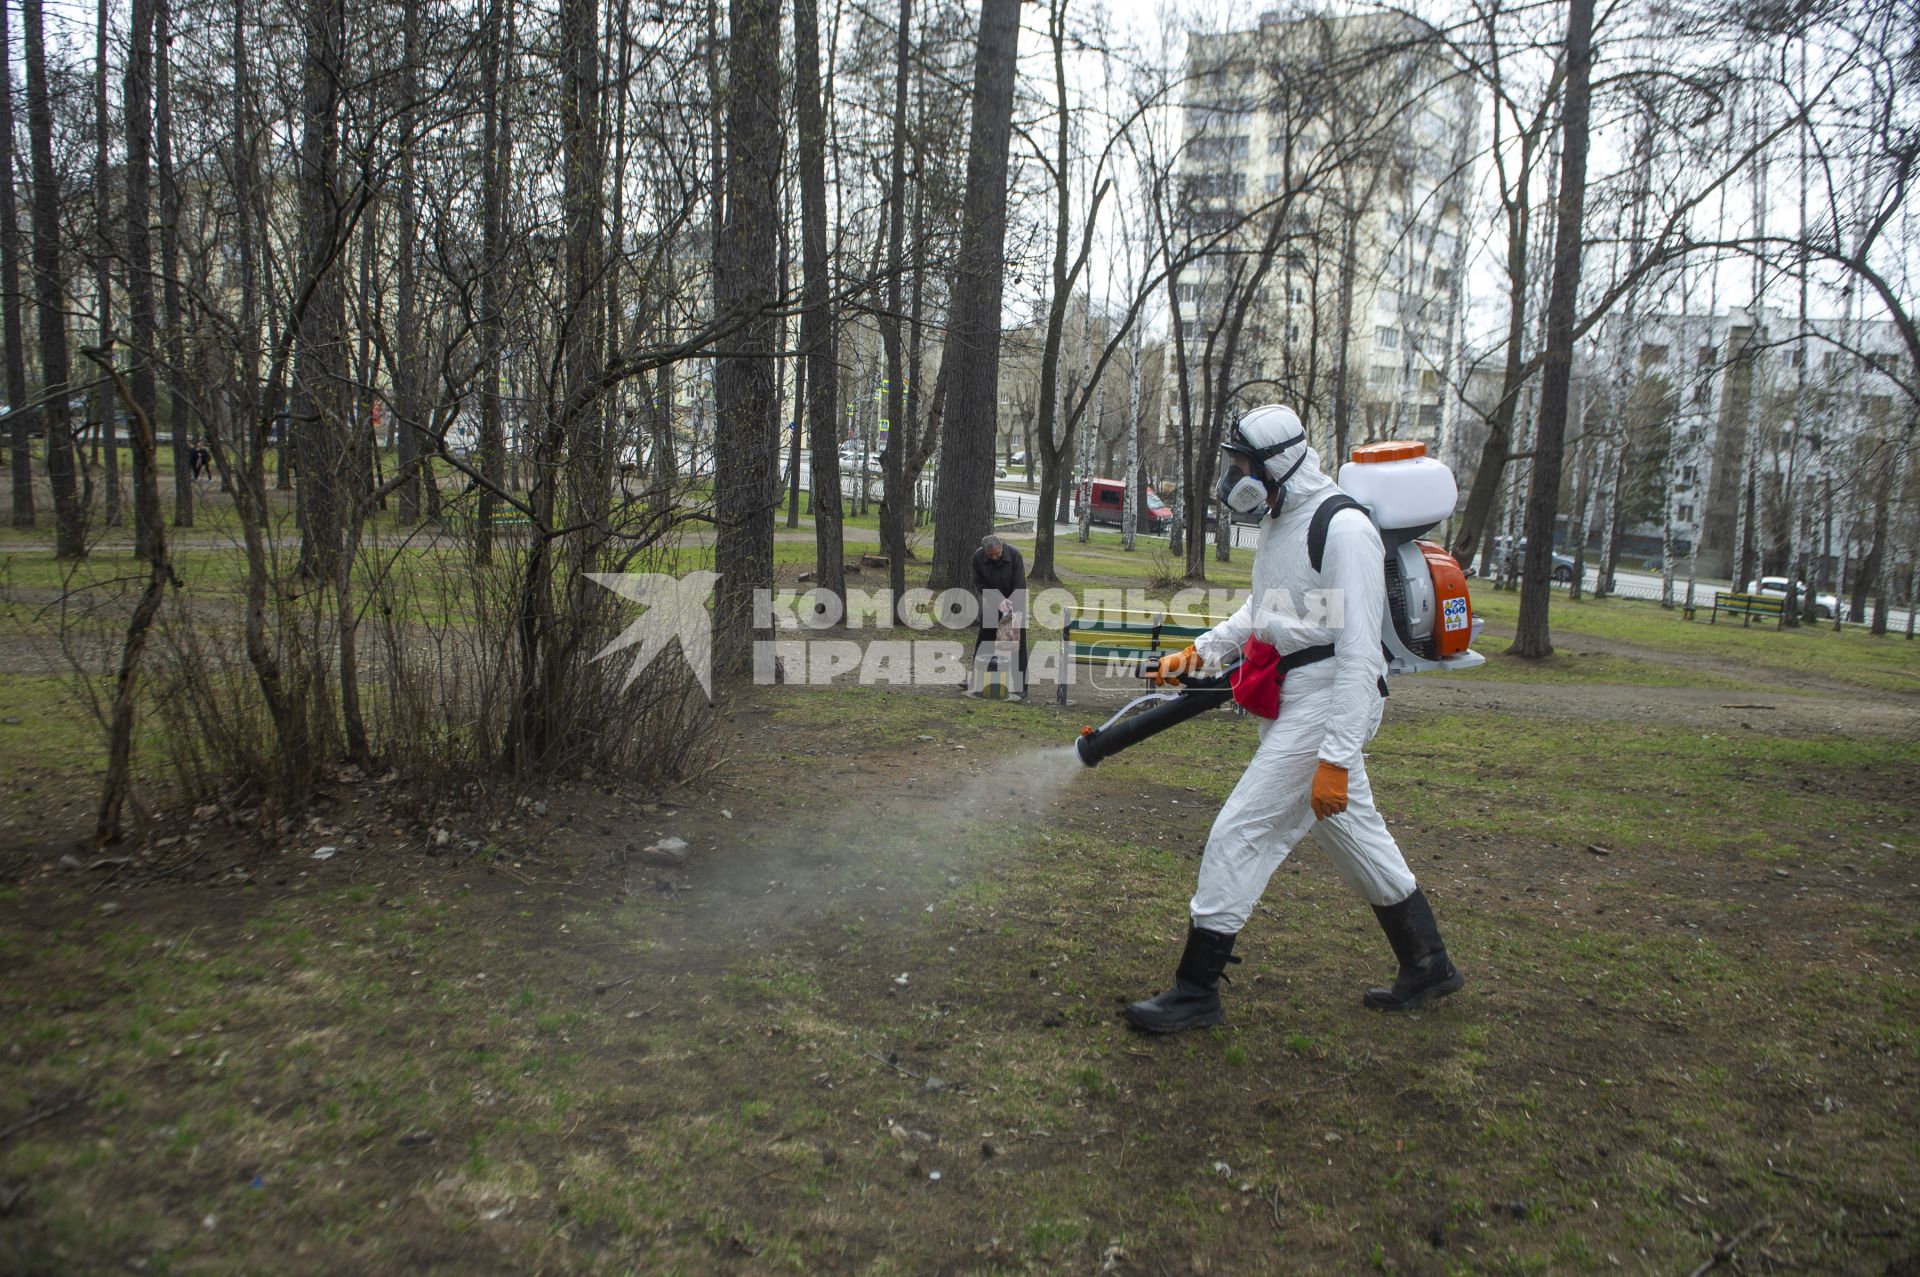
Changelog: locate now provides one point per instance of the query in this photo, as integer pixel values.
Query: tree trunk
(963, 508)
(105, 403)
(178, 410)
(1048, 395)
(1342, 380)
(106, 827)
(1868, 579)
(250, 404)
(746, 439)
(795, 434)
(407, 408)
(20, 428)
(1616, 511)
(142, 321)
(320, 332)
(1132, 504)
(894, 506)
(1531, 636)
(496, 147)
(70, 537)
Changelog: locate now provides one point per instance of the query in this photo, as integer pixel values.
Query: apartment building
(1327, 161)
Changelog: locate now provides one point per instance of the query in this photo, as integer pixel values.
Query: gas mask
(1247, 493)
(1239, 491)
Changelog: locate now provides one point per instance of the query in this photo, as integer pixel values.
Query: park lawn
(1572, 667)
(1774, 657)
(52, 748)
(897, 955)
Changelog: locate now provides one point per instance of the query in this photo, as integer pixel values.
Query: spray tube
(1195, 697)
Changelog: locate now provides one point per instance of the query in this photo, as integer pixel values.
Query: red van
(1109, 498)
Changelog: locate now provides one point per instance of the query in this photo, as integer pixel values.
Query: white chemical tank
(1403, 488)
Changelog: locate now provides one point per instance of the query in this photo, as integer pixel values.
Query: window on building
(1429, 382)
(1683, 512)
(1384, 375)
(1233, 147)
(1652, 355)
(1442, 277)
(1387, 338)
(1293, 334)
(1689, 475)
(1273, 184)
(1276, 143)
(1296, 294)
(1216, 185)
(1430, 416)
(1706, 356)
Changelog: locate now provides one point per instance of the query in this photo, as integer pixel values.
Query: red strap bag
(1256, 680)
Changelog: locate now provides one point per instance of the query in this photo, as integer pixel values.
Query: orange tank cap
(1389, 450)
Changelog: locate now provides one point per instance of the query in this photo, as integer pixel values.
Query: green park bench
(1115, 639)
(503, 518)
(1747, 606)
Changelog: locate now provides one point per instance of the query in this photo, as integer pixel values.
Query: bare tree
(970, 367)
(173, 310)
(1543, 501)
(746, 440)
(106, 406)
(816, 324)
(50, 295)
(20, 423)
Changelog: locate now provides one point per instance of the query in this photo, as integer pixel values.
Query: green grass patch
(1763, 655)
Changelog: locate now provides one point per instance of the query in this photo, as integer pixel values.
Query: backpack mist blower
(1196, 696)
(1428, 624)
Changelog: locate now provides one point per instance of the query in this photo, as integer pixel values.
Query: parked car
(1562, 571)
(850, 452)
(1109, 504)
(1824, 605)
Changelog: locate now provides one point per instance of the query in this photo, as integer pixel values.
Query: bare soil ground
(869, 1024)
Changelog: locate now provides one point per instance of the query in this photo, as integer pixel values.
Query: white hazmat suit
(1329, 710)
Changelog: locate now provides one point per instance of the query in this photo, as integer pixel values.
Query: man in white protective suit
(1319, 594)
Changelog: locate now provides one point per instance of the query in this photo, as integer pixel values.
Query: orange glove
(1329, 790)
(1176, 665)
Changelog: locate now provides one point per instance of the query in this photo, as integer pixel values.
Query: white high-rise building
(1333, 157)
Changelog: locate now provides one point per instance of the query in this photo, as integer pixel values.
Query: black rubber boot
(1194, 1000)
(1426, 973)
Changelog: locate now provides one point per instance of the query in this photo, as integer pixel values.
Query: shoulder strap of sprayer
(1317, 551)
(1317, 529)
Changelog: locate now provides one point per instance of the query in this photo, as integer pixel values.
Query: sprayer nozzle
(1086, 731)
(1080, 749)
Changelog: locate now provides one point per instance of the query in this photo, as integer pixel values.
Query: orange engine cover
(1455, 608)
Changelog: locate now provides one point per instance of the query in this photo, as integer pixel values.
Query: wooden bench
(1118, 640)
(1747, 606)
(503, 518)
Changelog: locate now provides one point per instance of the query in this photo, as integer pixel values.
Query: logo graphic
(676, 610)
